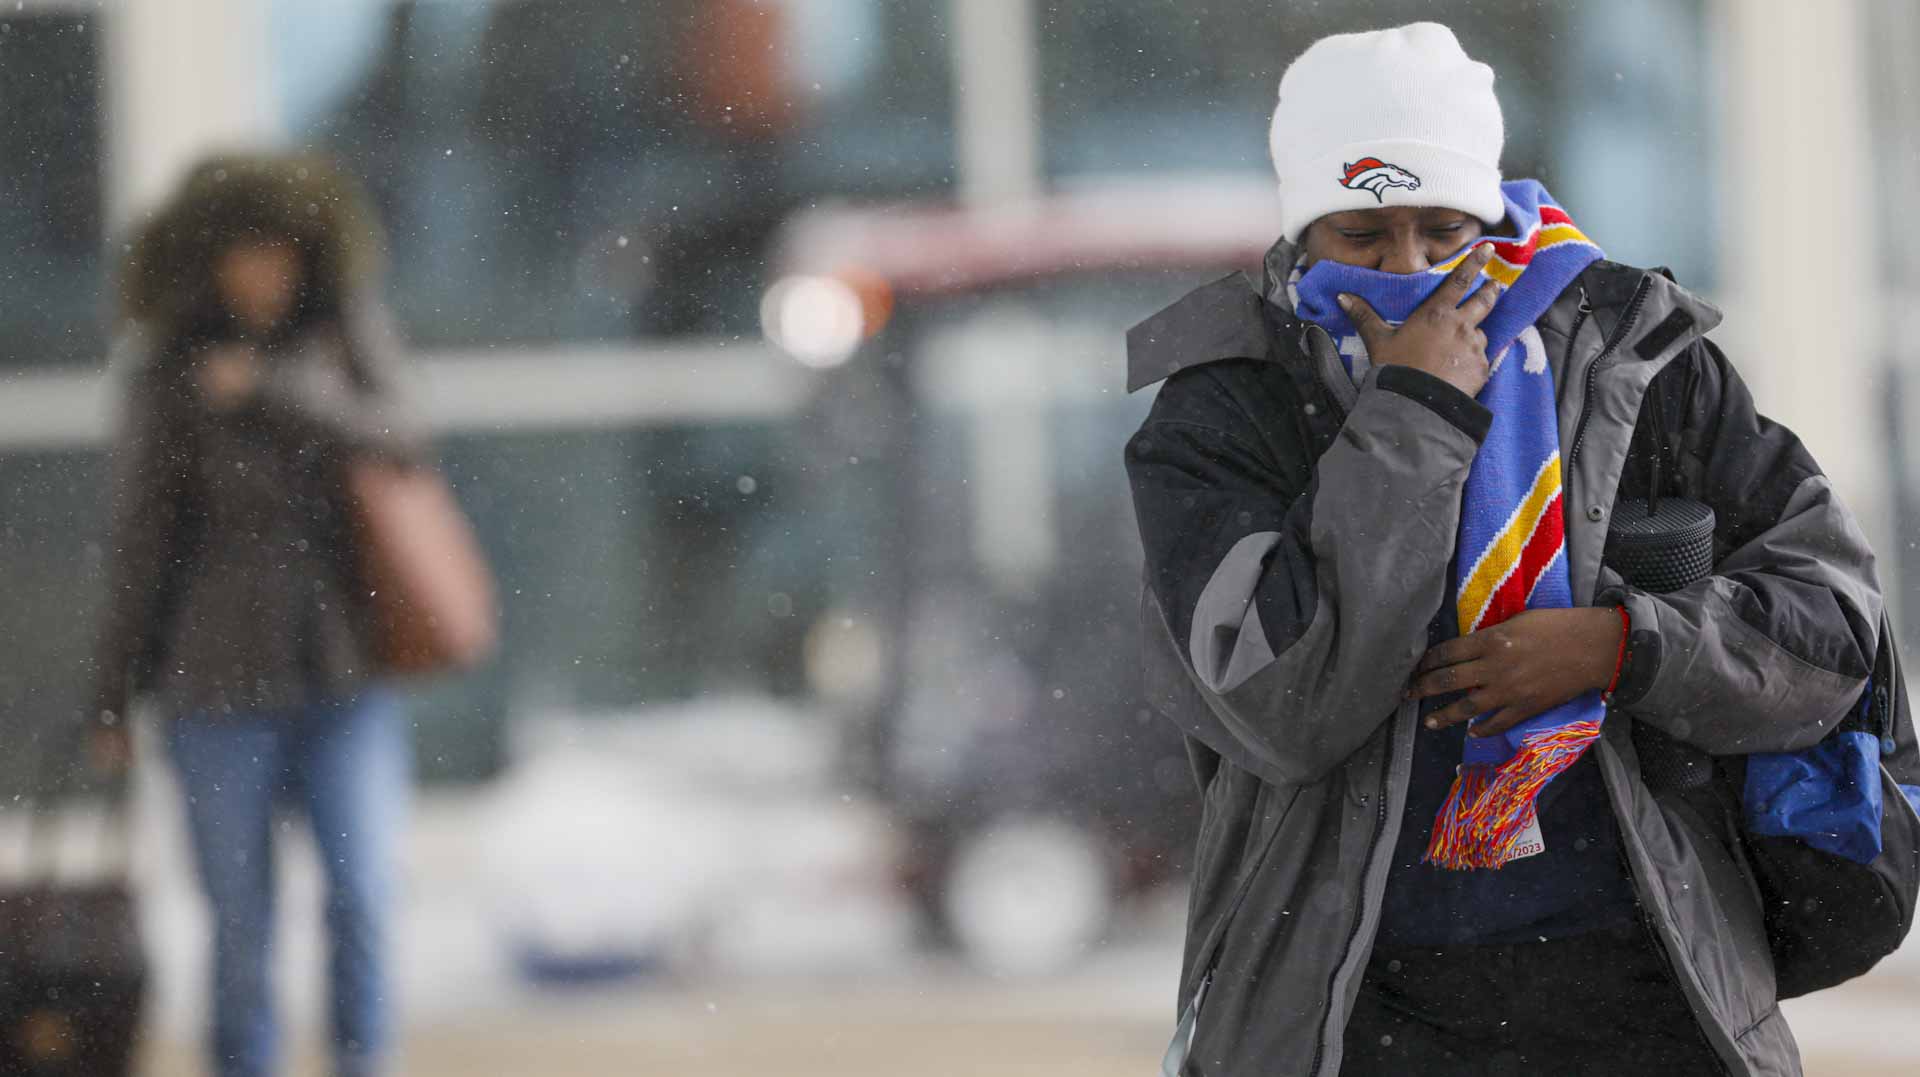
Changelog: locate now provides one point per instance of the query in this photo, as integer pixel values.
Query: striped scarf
(1511, 552)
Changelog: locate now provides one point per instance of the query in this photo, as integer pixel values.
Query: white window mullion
(183, 78)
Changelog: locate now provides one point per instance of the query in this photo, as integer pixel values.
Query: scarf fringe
(1452, 828)
(1490, 807)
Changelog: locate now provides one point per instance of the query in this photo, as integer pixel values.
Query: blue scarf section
(1510, 554)
(1542, 233)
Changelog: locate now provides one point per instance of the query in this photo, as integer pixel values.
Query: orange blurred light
(875, 295)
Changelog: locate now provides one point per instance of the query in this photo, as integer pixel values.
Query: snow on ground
(714, 834)
(737, 907)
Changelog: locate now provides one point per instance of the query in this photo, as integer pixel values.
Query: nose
(1405, 254)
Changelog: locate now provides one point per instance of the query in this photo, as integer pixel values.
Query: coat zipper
(1360, 914)
(1646, 913)
(1606, 352)
(1580, 317)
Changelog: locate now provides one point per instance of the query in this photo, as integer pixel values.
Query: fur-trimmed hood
(166, 280)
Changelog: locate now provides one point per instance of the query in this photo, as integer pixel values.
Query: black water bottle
(1661, 545)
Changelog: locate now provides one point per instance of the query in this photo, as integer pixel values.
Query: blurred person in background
(1358, 542)
(258, 362)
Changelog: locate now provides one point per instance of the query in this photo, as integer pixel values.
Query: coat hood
(1221, 320)
(167, 277)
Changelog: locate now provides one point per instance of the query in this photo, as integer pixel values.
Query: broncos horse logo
(1374, 176)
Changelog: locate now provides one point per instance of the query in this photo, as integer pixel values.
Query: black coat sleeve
(1770, 651)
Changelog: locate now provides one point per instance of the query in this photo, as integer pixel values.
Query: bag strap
(1886, 691)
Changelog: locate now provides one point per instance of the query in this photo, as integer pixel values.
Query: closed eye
(1355, 236)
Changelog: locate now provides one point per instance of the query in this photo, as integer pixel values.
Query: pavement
(928, 1016)
(926, 1029)
(943, 1022)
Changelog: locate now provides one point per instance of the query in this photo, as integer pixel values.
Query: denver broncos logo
(1374, 176)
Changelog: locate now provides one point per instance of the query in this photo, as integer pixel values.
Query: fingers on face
(1460, 281)
(1365, 321)
(1480, 303)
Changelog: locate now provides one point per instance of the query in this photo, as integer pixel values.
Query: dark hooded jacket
(1298, 532)
(231, 580)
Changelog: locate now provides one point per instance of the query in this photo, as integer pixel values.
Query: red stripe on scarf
(1520, 254)
(1541, 548)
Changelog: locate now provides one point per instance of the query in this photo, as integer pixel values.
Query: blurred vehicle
(708, 836)
(972, 414)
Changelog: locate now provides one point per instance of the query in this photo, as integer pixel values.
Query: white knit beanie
(1397, 117)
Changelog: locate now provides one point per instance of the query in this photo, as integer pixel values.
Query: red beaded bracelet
(1619, 660)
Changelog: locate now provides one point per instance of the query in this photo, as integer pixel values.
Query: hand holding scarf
(1442, 337)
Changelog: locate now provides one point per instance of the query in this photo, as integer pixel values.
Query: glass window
(50, 188)
(51, 230)
(636, 565)
(45, 643)
(578, 169)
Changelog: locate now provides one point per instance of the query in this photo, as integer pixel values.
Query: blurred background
(774, 347)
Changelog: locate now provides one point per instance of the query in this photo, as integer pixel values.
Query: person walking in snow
(257, 363)
(1374, 495)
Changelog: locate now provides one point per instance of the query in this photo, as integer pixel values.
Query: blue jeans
(347, 764)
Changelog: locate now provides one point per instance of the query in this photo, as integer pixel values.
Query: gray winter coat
(1290, 593)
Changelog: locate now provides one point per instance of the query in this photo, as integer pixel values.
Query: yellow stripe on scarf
(1555, 234)
(1503, 555)
(1505, 272)
(1502, 271)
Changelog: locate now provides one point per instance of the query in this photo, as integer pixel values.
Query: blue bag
(1829, 795)
(1831, 836)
